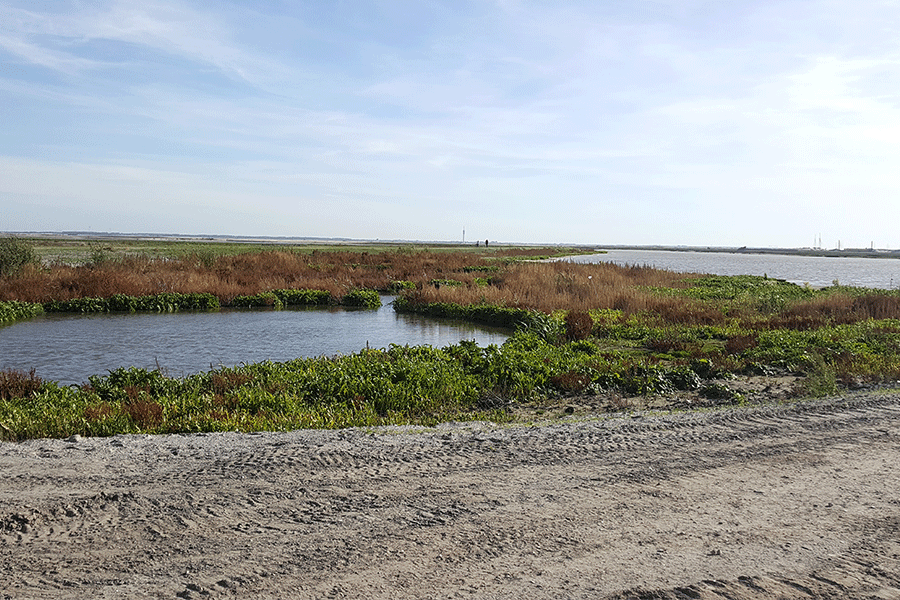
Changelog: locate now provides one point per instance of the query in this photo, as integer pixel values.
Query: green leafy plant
(362, 298)
(13, 311)
(264, 299)
(99, 254)
(166, 302)
(396, 287)
(821, 379)
(15, 253)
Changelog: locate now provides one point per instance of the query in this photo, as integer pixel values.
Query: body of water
(817, 271)
(69, 348)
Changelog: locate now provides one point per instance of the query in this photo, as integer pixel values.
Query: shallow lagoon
(69, 348)
(817, 271)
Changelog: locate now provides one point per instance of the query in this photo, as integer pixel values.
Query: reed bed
(228, 276)
(664, 297)
(549, 286)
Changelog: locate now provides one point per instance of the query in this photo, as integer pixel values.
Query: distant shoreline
(216, 238)
(834, 252)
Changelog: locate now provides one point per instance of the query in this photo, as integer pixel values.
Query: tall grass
(549, 286)
(663, 297)
(248, 274)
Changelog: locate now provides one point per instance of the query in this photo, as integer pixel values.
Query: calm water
(68, 348)
(817, 271)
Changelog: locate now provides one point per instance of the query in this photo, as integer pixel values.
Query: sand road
(788, 501)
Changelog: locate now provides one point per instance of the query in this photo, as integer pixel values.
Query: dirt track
(793, 502)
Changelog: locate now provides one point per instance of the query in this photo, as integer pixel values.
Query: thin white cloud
(169, 28)
(492, 109)
(44, 57)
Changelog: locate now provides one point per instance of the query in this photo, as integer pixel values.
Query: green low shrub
(166, 302)
(263, 299)
(14, 311)
(304, 297)
(396, 287)
(15, 253)
(362, 298)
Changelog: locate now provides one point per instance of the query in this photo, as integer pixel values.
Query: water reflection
(69, 348)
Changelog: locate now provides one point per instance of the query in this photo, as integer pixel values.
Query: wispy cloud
(545, 120)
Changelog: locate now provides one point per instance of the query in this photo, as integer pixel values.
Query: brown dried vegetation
(228, 276)
(579, 325)
(98, 412)
(544, 286)
(836, 309)
(16, 384)
(549, 286)
(145, 413)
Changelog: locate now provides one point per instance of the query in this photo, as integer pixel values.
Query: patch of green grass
(398, 385)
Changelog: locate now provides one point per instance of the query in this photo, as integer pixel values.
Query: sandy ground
(784, 501)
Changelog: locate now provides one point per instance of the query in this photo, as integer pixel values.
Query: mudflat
(798, 500)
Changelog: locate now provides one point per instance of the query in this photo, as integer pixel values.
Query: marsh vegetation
(579, 330)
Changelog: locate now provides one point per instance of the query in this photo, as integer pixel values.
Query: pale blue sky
(760, 123)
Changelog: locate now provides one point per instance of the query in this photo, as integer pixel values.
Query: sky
(676, 122)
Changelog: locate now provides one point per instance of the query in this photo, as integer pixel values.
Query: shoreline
(871, 252)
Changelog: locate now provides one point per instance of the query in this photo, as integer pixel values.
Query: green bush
(13, 311)
(166, 302)
(363, 298)
(398, 286)
(15, 253)
(304, 297)
(257, 300)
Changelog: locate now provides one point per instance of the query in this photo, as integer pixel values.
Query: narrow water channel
(70, 348)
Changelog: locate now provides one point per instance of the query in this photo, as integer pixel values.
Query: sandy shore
(789, 501)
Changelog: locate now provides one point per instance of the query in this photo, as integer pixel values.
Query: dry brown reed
(145, 413)
(244, 274)
(834, 309)
(583, 287)
(18, 384)
(98, 412)
(552, 286)
(579, 325)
